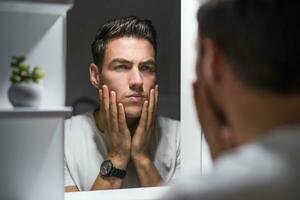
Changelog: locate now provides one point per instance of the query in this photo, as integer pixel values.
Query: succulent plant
(22, 72)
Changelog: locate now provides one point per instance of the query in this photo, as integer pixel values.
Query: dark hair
(260, 39)
(131, 26)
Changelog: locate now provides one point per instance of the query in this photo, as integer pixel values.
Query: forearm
(106, 183)
(147, 173)
(102, 183)
(71, 189)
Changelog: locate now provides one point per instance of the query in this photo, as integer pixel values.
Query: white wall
(195, 153)
(191, 137)
(41, 1)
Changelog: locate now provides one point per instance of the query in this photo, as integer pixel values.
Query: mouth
(136, 98)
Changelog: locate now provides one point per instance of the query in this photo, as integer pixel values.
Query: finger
(101, 112)
(207, 113)
(155, 104)
(156, 99)
(100, 100)
(113, 111)
(150, 108)
(122, 119)
(100, 95)
(144, 116)
(105, 95)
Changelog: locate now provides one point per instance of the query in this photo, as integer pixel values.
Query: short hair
(130, 26)
(260, 38)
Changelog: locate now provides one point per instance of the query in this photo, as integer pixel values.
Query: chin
(133, 112)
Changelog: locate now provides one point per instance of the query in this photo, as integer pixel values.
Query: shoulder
(79, 126)
(166, 122)
(79, 119)
(167, 151)
(267, 167)
(168, 130)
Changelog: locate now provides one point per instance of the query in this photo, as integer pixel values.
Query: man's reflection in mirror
(123, 143)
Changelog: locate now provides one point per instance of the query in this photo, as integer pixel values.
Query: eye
(147, 68)
(121, 67)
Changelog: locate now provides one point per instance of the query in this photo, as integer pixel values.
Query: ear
(213, 61)
(94, 75)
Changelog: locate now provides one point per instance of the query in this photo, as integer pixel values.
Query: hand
(140, 147)
(116, 133)
(144, 132)
(217, 131)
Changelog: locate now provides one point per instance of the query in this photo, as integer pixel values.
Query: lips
(136, 98)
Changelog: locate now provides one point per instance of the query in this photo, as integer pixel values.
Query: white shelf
(35, 112)
(145, 193)
(33, 136)
(35, 7)
(33, 139)
(37, 30)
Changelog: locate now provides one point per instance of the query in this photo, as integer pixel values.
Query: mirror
(83, 22)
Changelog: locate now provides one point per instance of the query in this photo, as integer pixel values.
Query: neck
(132, 123)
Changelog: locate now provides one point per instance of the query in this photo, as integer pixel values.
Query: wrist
(141, 160)
(119, 161)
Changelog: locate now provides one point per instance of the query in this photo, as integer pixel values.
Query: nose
(136, 80)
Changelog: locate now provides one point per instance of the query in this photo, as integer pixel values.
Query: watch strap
(113, 172)
(118, 172)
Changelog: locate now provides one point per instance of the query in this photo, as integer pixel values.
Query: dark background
(84, 19)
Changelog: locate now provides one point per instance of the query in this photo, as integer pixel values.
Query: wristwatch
(107, 169)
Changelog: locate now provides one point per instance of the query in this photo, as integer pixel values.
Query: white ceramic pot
(25, 94)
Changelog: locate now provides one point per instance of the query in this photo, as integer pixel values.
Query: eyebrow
(149, 62)
(120, 60)
(124, 61)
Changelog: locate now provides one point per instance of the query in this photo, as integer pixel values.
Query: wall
(40, 1)
(191, 132)
(193, 142)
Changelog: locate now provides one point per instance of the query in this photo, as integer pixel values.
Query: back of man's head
(131, 26)
(260, 38)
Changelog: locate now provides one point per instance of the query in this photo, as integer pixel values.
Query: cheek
(148, 85)
(117, 84)
(149, 82)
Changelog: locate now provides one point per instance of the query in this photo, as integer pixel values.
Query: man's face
(208, 101)
(198, 83)
(129, 70)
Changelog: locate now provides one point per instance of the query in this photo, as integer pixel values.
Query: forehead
(129, 48)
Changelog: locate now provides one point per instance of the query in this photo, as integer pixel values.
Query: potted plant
(25, 88)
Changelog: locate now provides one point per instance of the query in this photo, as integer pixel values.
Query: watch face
(106, 168)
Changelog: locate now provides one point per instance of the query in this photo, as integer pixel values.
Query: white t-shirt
(265, 169)
(85, 150)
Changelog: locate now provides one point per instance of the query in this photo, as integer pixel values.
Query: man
(247, 95)
(123, 143)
